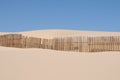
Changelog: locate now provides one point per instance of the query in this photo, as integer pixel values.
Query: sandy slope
(38, 64)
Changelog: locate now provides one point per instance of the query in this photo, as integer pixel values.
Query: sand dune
(63, 33)
(43, 64)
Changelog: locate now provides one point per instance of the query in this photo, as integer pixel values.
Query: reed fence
(80, 44)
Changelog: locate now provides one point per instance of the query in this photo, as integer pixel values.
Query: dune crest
(62, 33)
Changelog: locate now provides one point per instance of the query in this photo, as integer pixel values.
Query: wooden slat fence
(79, 44)
(11, 40)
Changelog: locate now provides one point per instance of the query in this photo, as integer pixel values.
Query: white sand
(43, 64)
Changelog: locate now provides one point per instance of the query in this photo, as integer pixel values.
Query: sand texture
(38, 64)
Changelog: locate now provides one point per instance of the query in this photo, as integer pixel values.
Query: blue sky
(24, 15)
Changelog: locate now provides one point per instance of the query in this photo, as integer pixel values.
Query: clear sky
(24, 15)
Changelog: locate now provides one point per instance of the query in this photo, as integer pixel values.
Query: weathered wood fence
(80, 44)
(11, 40)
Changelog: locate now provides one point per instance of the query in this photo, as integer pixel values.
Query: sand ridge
(63, 33)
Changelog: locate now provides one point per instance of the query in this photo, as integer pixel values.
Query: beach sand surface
(43, 64)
